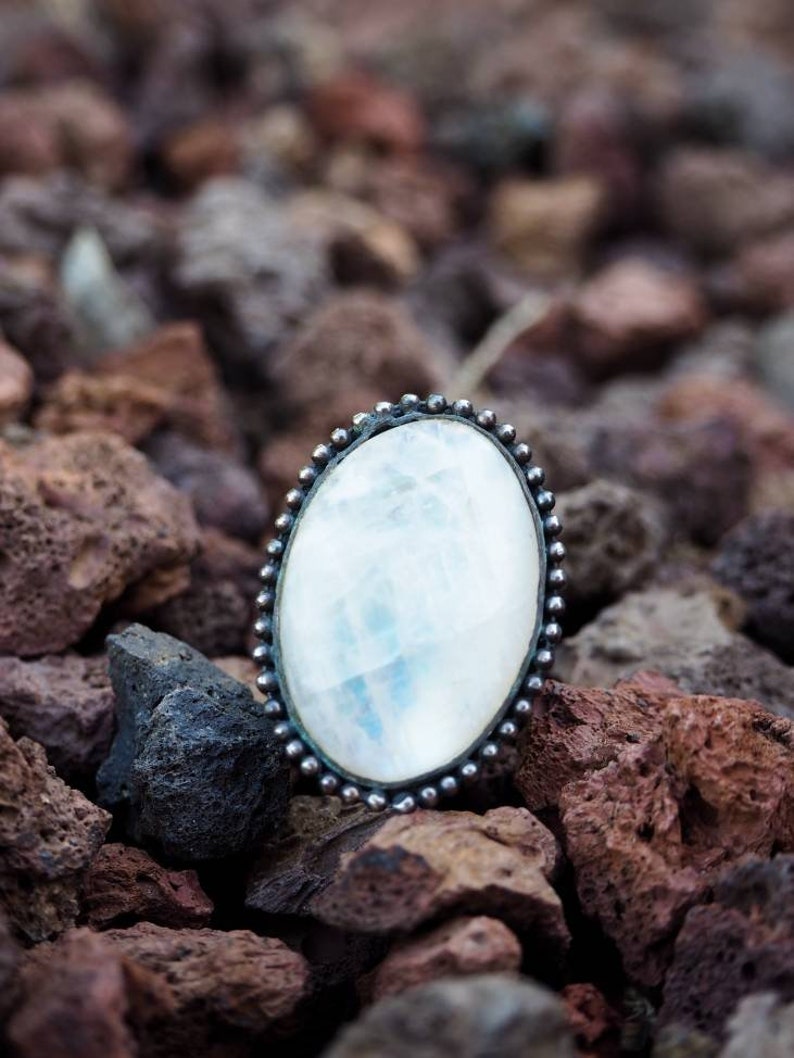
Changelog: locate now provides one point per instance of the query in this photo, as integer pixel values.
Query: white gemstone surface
(408, 600)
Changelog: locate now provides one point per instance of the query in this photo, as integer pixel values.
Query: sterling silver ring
(411, 602)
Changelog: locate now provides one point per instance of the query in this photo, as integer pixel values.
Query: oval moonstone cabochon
(408, 600)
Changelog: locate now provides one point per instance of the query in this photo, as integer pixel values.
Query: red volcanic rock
(118, 405)
(595, 1024)
(16, 384)
(459, 948)
(126, 884)
(83, 517)
(208, 147)
(414, 869)
(763, 274)
(356, 107)
(49, 834)
(65, 702)
(631, 311)
(740, 944)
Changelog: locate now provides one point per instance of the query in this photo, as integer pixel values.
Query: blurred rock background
(225, 227)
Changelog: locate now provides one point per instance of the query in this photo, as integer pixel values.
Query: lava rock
(16, 384)
(490, 1013)
(83, 517)
(762, 1025)
(124, 885)
(34, 320)
(461, 948)
(195, 768)
(10, 958)
(774, 360)
(64, 702)
(225, 494)
(304, 858)
(414, 869)
(759, 279)
(354, 107)
(245, 273)
(595, 1024)
(49, 834)
(757, 561)
(740, 944)
(614, 536)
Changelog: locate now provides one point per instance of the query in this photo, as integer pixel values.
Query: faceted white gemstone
(408, 600)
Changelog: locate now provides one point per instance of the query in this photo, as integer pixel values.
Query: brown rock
(83, 518)
(741, 943)
(16, 384)
(545, 226)
(116, 404)
(303, 861)
(49, 834)
(717, 200)
(10, 956)
(234, 983)
(634, 310)
(65, 702)
(424, 200)
(354, 107)
(206, 148)
(762, 274)
(459, 948)
(415, 869)
(124, 884)
(595, 1024)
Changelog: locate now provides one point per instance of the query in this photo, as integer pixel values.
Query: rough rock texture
(595, 1024)
(49, 834)
(414, 870)
(83, 518)
(487, 1014)
(741, 943)
(64, 702)
(303, 860)
(10, 956)
(16, 384)
(757, 562)
(195, 768)
(647, 830)
(763, 1025)
(247, 276)
(614, 536)
(124, 884)
(356, 107)
(460, 948)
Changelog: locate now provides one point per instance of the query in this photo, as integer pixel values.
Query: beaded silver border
(425, 791)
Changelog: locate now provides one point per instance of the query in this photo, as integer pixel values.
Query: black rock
(195, 769)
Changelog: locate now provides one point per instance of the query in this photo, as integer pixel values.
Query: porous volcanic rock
(195, 768)
(64, 702)
(485, 1014)
(124, 884)
(16, 384)
(49, 834)
(83, 518)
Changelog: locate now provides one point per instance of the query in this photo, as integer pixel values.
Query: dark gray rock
(756, 561)
(474, 1017)
(195, 768)
(773, 358)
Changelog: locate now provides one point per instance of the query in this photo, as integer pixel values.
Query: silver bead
(545, 500)
(533, 684)
(282, 730)
(265, 600)
(328, 783)
(469, 771)
(340, 437)
(490, 751)
(261, 653)
(360, 420)
(544, 659)
(376, 801)
(556, 551)
(522, 453)
(553, 632)
(263, 627)
(428, 796)
(273, 709)
(436, 403)
(268, 573)
(294, 749)
(267, 682)
(384, 408)
(555, 606)
(409, 400)
(350, 794)
(508, 729)
(404, 804)
(448, 786)
(506, 433)
(321, 455)
(535, 476)
(552, 526)
(310, 766)
(294, 499)
(522, 708)
(275, 548)
(307, 475)
(487, 419)
(557, 578)
(464, 408)
(284, 522)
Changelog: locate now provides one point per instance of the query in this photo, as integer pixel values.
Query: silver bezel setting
(430, 790)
